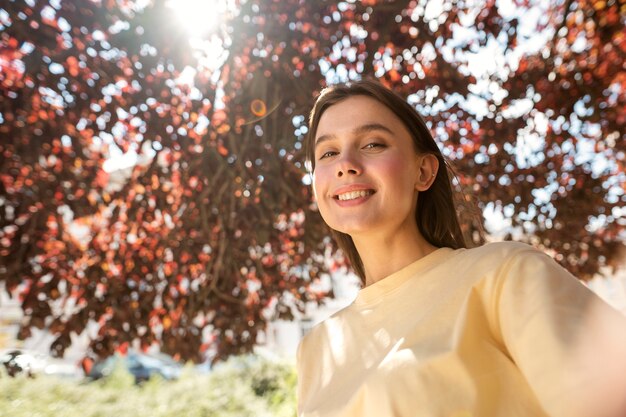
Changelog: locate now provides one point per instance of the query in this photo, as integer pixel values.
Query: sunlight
(198, 16)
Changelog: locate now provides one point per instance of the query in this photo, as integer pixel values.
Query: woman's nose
(348, 165)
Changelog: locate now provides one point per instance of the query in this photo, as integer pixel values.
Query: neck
(384, 254)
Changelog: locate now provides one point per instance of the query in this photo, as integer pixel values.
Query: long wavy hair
(436, 213)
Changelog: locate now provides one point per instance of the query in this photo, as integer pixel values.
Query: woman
(438, 329)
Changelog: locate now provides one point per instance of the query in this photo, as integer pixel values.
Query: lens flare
(258, 108)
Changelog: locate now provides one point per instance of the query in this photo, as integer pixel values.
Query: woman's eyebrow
(366, 128)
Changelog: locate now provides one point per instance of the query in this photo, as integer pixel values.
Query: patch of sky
(339, 74)
(186, 76)
(575, 124)
(358, 32)
(119, 130)
(92, 52)
(48, 12)
(147, 50)
(449, 53)
(103, 119)
(137, 122)
(476, 105)
(5, 19)
(67, 39)
(596, 223)
(118, 160)
(56, 68)
(211, 53)
(488, 60)
(580, 107)
(613, 93)
(111, 54)
(201, 124)
(139, 5)
(543, 195)
(586, 155)
(82, 124)
(592, 130)
(112, 89)
(508, 210)
(51, 97)
(428, 53)
(580, 44)
(95, 107)
(418, 100)
(344, 5)
(518, 108)
(298, 120)
(528, 149)
(433, 9)
(27, 48)
(529, 214)
(118, 26)
(507, 9)
(218, 101)
(614, 195)
(480, 158)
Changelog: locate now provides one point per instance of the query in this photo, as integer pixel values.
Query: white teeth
(354, 194)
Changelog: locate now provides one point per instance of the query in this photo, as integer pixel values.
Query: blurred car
(31, 363)
(17, 361)
(141, 365)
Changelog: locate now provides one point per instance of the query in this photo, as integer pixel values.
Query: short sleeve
(568, 343)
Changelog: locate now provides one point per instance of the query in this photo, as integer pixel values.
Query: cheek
(321, 187)
(319, 183)
(397, 172)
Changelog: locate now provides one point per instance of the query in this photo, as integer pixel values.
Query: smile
(352, 195)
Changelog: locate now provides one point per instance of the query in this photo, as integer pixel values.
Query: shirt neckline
(390, 283)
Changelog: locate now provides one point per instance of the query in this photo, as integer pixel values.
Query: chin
(350, 225)
(352, 229)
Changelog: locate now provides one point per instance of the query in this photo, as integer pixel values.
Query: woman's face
(366, 168)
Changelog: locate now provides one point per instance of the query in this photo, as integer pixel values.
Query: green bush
(244, 386)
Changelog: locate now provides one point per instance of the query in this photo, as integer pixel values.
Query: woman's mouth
(353, 195)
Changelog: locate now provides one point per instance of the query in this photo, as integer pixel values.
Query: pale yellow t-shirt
(499, 330)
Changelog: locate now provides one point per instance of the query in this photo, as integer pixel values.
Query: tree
(203, 241)
(214, 230)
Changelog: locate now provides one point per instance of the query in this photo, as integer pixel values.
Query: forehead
(356, 111)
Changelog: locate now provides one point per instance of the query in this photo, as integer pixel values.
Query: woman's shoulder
(502, 250)
(495, 257)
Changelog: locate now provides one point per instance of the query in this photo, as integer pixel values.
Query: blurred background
(160, 251)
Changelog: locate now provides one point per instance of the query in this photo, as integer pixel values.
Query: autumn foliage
(213, 232)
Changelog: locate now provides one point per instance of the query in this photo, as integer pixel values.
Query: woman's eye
(327, 154)
(373, 145)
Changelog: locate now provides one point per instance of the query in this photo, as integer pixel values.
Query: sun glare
(199, 17)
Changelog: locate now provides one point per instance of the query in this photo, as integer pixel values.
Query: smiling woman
(385, 126)
(439, 329)
(368, 175)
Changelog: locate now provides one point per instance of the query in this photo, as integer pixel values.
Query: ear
(427, 167)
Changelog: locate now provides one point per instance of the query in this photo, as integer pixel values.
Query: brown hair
(436, 213)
